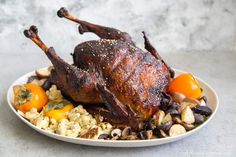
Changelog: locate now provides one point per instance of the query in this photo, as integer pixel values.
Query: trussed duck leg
(64, 75)
(120, 113)
(153, 51)
(101, 31)
(57, 62)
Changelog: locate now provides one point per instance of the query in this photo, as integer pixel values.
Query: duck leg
(153, 51)
(74, 82)
(101, 31)
(32, 33)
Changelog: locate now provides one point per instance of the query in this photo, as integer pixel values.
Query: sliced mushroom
(47, 84)
(177, 97)
(187, 115)
(199, 119)
(177, 120)
(143, 135)
(173, 111)
(165, 126)
(159, 116)
(159, 133)
(103, 136)
(182, 106)
(36, 80)
(32, 79)
(191, 102)
(41, 81)
(204, 110)
(131, 137)
(177, 129)
(188, 126)
(92, 133)
(151, 124)
(43, 72)
(167, 118)
(116, 133)
(174, 105)
(126, 132)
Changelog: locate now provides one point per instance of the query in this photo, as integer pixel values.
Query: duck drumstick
(32, 33)
(101, 31)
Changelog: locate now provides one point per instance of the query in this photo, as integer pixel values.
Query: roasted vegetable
(177, 120)
(187, 85)
(172, 111)
(92, 133)
(33, 79)
(165, 126)
(159, 116)
(167, 118)
(191, 102)
(199, 118)
(187, 115)
(36, 80)
(143, 135)
(159, 133)
(204, 110)
(103, 136)
(126, 132)
(116, 133)
(29, 96)
(150, 124)
(177, 129)
(46, 84)
(188, 126)
(43, 72)
(177, 97)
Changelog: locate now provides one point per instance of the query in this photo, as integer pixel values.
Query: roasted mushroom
(204, 110)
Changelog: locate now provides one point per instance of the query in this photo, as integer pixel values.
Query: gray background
(197, 36)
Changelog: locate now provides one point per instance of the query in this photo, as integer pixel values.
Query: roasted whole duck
(130, 82)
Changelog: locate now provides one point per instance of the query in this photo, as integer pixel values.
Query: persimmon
(29, 96)
(58, 109)
(187, 85)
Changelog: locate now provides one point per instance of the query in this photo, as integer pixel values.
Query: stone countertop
(196, 36)
(216, 139)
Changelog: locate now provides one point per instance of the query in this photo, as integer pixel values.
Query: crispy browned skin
(135, 77)
(112, 71)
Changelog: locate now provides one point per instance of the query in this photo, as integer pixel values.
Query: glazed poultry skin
(111, 71)
(133, 76)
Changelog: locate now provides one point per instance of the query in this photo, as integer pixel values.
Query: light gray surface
(174, 25)
(216, 139)
(210, 26)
